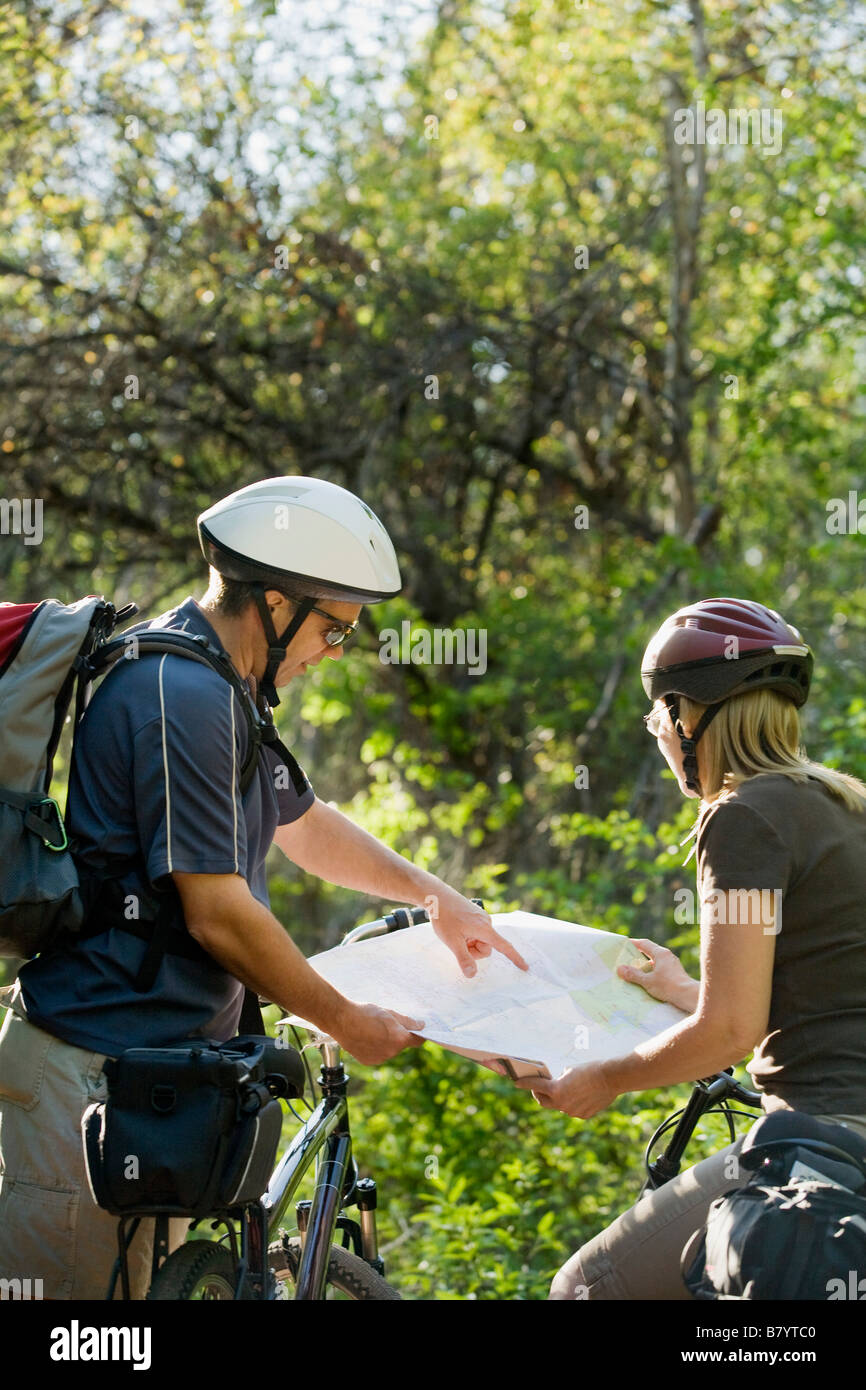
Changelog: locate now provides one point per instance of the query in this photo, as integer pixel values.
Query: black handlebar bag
(190, 1130)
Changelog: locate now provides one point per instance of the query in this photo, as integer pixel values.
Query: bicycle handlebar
(397, 920)
(723, 1086)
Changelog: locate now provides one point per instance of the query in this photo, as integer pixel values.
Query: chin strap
(277, 645)
(689, 745)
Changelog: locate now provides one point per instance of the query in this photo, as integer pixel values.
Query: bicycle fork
(337, 1185)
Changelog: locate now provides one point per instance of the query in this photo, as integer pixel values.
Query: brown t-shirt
(775, 834)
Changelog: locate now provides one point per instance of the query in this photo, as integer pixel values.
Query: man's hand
(467, 931)
(374, 1035)
(582, 1091)
(327, 843)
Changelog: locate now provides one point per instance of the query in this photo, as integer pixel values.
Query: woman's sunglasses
(653, 720)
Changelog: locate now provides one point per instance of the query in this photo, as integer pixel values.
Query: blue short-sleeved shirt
(157, 769)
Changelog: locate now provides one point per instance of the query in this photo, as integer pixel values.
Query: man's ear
(273, 598)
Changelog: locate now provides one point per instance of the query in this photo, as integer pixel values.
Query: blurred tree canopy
(584, 373)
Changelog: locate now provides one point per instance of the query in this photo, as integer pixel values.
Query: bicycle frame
(326, 1133)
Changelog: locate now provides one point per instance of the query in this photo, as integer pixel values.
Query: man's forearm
(685, 1052)
(326, 843)
(252, 946)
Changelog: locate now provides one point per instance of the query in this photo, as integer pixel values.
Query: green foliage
(284, 264)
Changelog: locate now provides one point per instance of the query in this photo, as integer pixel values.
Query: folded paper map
(571, 1006)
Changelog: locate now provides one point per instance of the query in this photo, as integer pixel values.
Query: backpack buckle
(163, 1098)
(46, 813)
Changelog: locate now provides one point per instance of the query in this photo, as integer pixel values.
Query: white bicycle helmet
(302, 534)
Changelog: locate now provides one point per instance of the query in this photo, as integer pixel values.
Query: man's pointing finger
(506, 948)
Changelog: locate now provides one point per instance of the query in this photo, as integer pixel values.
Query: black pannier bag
(797, 1228)
(189, 1130)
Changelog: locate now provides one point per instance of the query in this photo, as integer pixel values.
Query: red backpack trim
(15, 621)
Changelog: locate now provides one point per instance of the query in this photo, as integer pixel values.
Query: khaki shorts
(50, 1227)
(638, 1255)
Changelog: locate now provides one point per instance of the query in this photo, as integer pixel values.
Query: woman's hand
(667, 981)
(582, 1091)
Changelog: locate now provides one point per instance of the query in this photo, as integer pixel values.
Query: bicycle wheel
(348, 1276)
(198, 1270)
(203, 1270)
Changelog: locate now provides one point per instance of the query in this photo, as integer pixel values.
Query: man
(172, 856)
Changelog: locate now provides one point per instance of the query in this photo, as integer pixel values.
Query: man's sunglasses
(339, 634)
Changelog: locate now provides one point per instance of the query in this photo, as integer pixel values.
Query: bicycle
(261, 1260)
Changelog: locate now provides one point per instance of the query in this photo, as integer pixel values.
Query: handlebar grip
(412, 916)
(406, 917)
(723, 1085)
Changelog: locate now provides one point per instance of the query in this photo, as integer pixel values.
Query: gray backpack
(47, 650)
(42, 650)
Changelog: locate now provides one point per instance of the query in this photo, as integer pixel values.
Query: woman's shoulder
(768, 791)
(772, 787)
(777, 798)
(746, 837)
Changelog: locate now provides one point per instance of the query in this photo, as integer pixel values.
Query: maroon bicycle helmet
(717, 648)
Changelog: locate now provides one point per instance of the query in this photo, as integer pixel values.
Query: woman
(783, 969)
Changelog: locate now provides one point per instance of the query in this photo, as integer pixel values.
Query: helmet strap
(277, 645)
(689, 744)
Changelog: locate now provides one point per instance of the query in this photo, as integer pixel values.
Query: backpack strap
(196, 648)
(41, 816)
(801, 1249)
(160, 931)
(273, 740)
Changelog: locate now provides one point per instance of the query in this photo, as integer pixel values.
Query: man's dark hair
(232, 597)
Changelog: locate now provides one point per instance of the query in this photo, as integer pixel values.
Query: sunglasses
(653, 720)
(338, 634)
